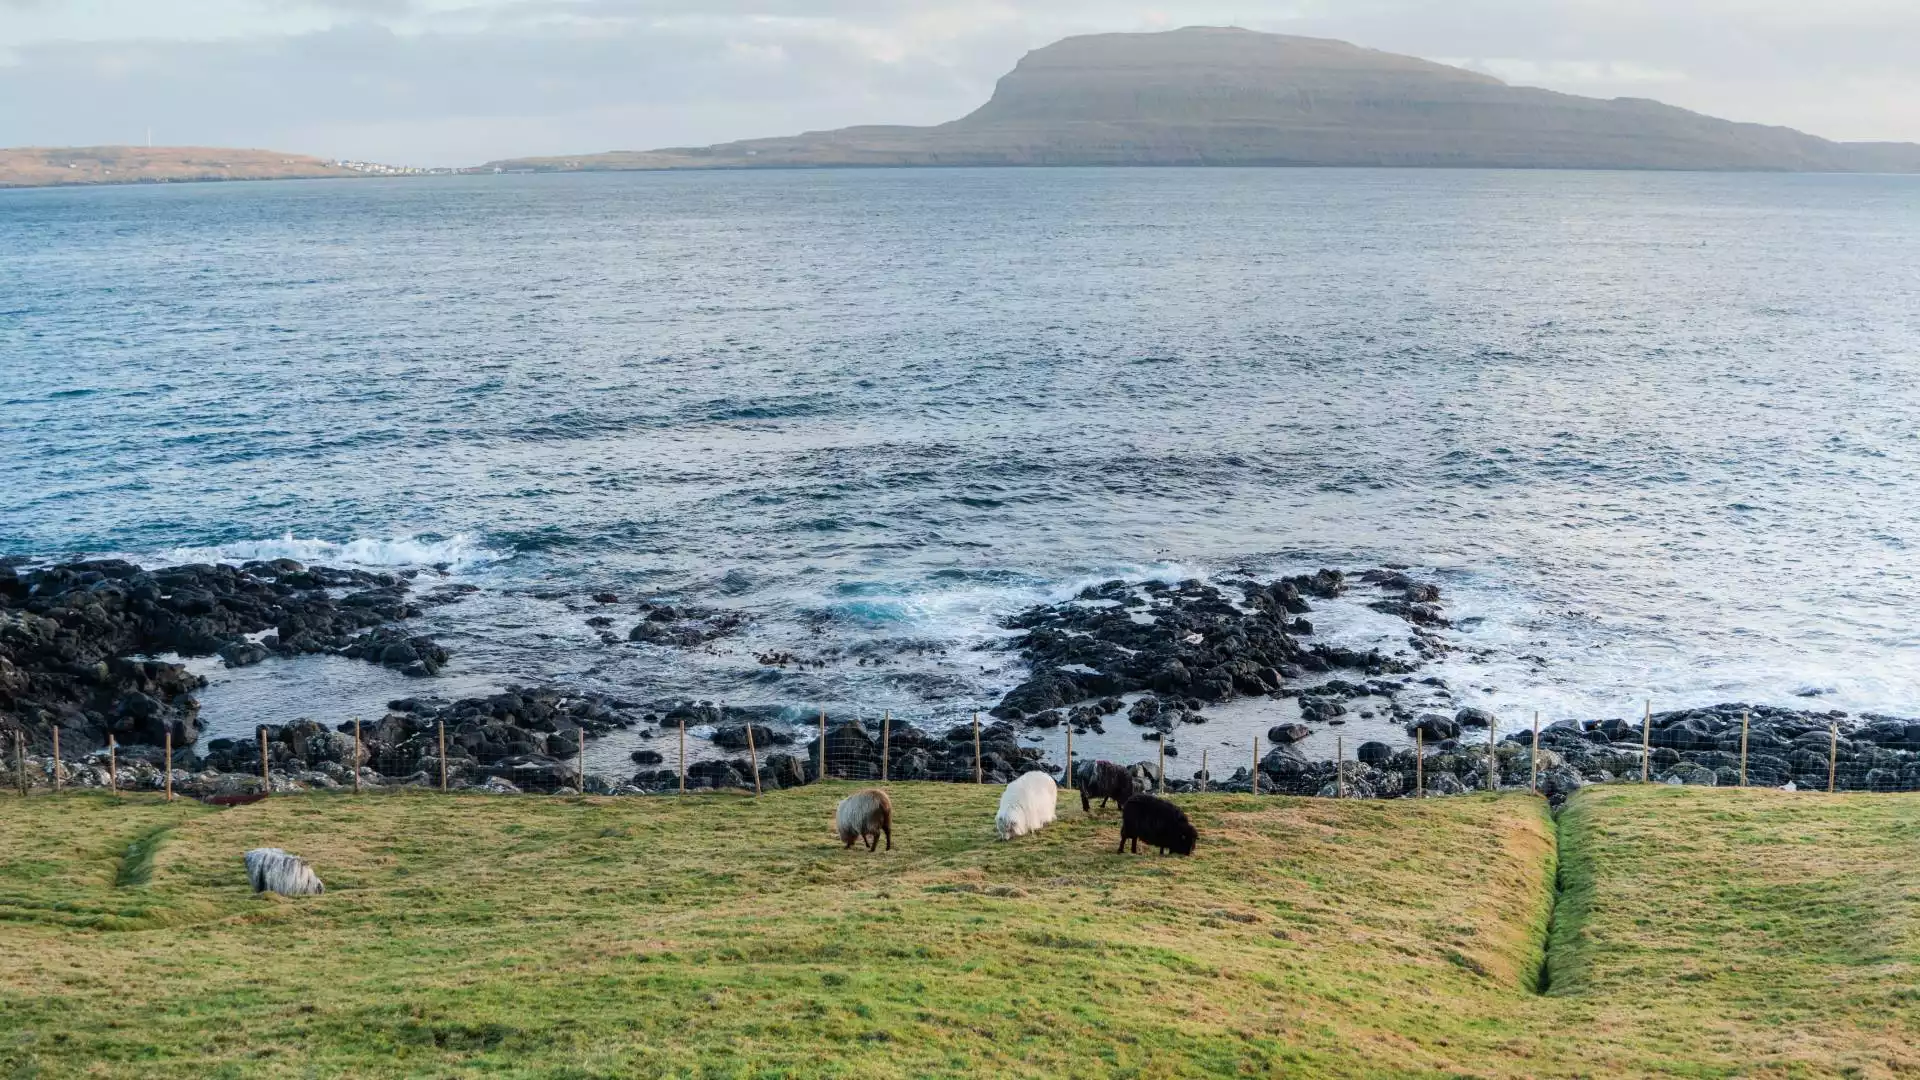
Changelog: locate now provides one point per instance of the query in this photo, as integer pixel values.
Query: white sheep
(1027, 805)
(273, 870)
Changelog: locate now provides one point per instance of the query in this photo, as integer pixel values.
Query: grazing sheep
(865, 815)
(1159, 823)
(1104, 780)
(1026, 805)
(275, 871)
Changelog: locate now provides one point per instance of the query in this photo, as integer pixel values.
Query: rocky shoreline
(82, 649)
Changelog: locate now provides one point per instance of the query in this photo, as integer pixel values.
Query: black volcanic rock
(70, 636)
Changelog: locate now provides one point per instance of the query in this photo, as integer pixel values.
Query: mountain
(50, 166)
(1225, 96)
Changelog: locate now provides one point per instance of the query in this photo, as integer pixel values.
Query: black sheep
(1159, 823)
(1104, 780)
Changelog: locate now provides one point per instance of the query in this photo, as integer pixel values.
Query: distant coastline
(89, 166)
(1195, 97)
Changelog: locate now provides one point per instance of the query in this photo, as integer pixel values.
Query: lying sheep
(275, 871)
(865, 815)
(1027, 805)
(1159, 823)
(1104, 780)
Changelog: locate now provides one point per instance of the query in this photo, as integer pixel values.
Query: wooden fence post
(1646, 744)
(58, 768)
(886, 746)
(1069, 783)
(753, 755)
(580, 765)
(1256, 764)
(1493, 763)
(113, 764)
(1339, 766)
(1533, 765)
(1163, 763)
(1203, 772)
(356, 755)
(1833, 753)
(169, 762)
(1743, 748)
(442, 726)
(20, 758)
(683, 754)
(266, 775)
(1419, 762)
(823, 744)
(978, 776)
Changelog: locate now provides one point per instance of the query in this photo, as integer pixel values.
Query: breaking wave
(461, 551)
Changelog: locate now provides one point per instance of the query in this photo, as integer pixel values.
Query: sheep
(275, 871)
(865, 815)
(1027, 805)
(1104, 780)
(1159, 823)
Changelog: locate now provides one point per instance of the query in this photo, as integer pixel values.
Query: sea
(1655, 435)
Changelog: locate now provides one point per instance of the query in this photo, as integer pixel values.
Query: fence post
(169, 762)
(823, 744)
(1646, 744)
(1419, 762)
(753, 755)
(1832, 754)
(266, 776)
(978, 777)
(20, 758)
(1163, 763)
(113, 764)
(57, 768)
(683, 754)
(1533, 764)
(1339, 766)
(356, 755)
(442, 726)
(886, 749)
(580, 765)
(1493, 763)
(1203, 772)
(1256, 764)
(1069, 784)
(1743, 747)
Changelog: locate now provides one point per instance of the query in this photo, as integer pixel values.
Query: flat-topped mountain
(1223, 96)
(35, 166)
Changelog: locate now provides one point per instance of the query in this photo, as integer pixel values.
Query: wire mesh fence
(711, 747)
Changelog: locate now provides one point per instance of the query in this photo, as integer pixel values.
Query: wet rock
(1434, 728)
(1473, 718)
(734, 737)
(1374, 753)
(1285, 734)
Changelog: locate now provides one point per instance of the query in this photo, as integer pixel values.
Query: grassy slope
(719, 936)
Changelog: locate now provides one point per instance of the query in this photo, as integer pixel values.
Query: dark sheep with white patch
(1104, 780)
(1158, 822)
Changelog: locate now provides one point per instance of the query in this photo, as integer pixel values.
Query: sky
(458, 82)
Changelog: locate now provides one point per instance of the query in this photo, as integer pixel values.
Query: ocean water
(1656, 435)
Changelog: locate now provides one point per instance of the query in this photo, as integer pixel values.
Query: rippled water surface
(1656, 435)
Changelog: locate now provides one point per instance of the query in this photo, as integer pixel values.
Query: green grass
(1700, 933)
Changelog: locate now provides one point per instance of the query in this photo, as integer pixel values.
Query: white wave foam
(461, 551)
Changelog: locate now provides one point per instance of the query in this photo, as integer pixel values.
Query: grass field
(1697, 933)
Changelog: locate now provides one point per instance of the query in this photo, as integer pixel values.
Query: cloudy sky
(448, 82)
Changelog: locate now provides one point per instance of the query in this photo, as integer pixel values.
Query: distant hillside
(48, 166)
(1216, 96)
